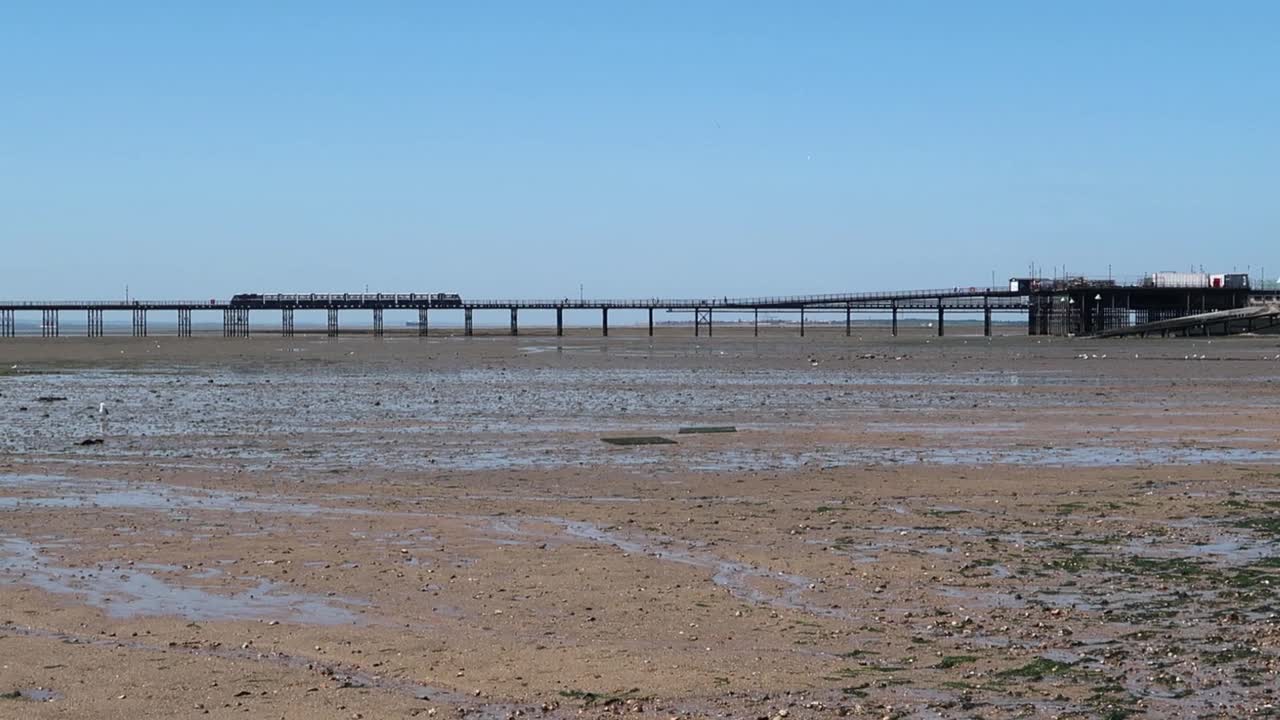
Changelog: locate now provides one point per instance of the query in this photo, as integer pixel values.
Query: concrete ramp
(1223, 322)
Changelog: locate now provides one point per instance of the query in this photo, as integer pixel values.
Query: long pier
(1052, 308)
(236, 311)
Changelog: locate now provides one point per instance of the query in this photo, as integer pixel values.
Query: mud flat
(926, 528)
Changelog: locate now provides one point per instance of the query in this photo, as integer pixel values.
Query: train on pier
(432, 299)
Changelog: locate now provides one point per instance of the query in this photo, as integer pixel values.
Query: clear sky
(640, 148)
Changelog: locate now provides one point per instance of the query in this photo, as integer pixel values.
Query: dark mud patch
(639, 440)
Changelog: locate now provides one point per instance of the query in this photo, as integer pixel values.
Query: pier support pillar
(559, 321)
(49, 323)
(755, 322)
(139, 322)
(235, 322)
(604, 321)
(515, 323)
(941, 318)
(422, 322)
(801, 322)
(466, 322)
(986, 319)
(332, 328)
(893, 309)
(184, 322)
(377, 322)
(286, 322)
(6, 324)
(650, 322)
(94, 322)
(848, 320)
(701, 317)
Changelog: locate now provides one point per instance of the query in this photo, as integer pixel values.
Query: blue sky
(660, 148)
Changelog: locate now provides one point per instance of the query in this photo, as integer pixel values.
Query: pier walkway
(1077, 306)
(236, 311)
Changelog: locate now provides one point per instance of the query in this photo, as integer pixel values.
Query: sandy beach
(917, 528)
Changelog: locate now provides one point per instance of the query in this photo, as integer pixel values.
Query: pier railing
(121, 304)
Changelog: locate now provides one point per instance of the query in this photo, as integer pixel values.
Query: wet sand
(954, 527)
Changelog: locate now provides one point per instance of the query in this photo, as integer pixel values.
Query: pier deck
(1079, 308)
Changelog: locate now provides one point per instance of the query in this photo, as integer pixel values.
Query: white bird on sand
(102, 408)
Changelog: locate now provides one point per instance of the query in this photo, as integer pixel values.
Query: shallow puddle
(30, 695)
(132, 591)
